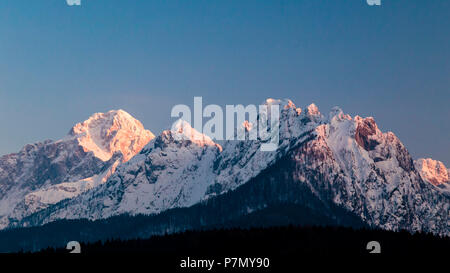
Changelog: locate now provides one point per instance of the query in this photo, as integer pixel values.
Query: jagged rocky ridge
(45, 173)
(343, 160)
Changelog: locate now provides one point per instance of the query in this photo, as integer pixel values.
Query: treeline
(271, 199)
(289, 241)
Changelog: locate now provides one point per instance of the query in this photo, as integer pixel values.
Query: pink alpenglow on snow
(432, 171)
(115, 131)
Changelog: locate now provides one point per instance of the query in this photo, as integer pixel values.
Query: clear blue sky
(59, 64)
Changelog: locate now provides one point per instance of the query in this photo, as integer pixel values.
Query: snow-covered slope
(182, 167)
(172, 170)
(45, 173)
(342, 159)
(106, 133)
(434, 172)
(370, 173)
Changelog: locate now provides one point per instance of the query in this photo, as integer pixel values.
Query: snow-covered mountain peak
(342, 160)
(107, 133)
(336, 113)
(182, 130)
(312, 110)
(281, 102)
(367, 133)
(284, 104)
(45, 173)
(432, 171)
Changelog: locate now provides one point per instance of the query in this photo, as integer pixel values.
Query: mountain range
(336, 167)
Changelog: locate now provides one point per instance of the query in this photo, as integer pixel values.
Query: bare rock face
(366, 133)
(432, 171)
(91, 149)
